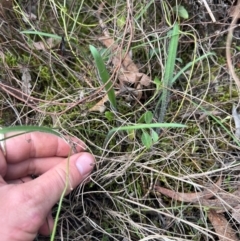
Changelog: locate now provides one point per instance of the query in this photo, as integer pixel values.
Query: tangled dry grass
(186, 186)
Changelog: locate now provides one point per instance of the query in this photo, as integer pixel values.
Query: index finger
(38, 144)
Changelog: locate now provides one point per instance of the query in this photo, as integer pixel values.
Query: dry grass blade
(209, 10)
(26, 80)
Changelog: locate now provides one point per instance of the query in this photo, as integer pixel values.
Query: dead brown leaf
(225, 201)
(190, 197)
(236, 213)
(4, 6)
(100, 105)
(48, 44)
(234, 10)
(222, 227)
(128, 71)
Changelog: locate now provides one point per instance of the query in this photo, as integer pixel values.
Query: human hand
(25, 204)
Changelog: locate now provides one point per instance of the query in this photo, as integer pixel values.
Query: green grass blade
(25, 129)
(52, 238)
(187, 66)
(147, 126)
(104, 76)
(41, 34)
(141, 126)
(168, 74)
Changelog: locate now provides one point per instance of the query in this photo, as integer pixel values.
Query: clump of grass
(168, 73)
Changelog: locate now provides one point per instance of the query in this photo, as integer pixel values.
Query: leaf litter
(221, 203)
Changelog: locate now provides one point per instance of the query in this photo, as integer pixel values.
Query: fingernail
(85, 164)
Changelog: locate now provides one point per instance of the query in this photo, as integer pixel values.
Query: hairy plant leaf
(148, 116)
(146, 139)
(141, 126)
(154, 136)
(181, 11)
(109, 115)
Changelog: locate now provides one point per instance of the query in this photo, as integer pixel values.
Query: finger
(3, 164)
(2, 181)
(47, 227)
(38, 144)
(34, 167)
(19, 180)
(46, 190)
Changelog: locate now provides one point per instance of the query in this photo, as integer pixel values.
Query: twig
(209, 11)
(229, 42)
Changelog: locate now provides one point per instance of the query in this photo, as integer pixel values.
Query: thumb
(47, 189)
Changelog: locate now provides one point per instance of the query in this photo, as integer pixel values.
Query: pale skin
(25, 203)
